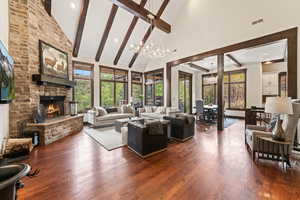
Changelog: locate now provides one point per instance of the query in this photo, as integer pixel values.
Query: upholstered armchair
(290, 123)
(182, 126)
(147, 138)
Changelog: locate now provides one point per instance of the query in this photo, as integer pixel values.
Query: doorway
(185, 92)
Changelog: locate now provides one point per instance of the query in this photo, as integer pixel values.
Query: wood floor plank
(212, 165)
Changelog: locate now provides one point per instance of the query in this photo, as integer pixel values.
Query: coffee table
(123, 122)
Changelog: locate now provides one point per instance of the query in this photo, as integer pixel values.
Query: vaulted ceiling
(96, 27)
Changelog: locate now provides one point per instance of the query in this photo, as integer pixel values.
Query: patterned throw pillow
(130, 109)
(100, 111)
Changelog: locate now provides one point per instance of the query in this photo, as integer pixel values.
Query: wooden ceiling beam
(109, 23)
(231, 57)
(149, 31)
(80, 27)
(143, 13)
(128, 34)
(192, 65)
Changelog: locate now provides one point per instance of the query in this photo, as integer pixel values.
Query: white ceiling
(258, 54)
(97, 16)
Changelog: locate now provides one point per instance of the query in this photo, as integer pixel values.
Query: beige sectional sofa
(157, 112)
(98, 119)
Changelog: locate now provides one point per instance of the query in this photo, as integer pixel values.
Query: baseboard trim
(235, 117)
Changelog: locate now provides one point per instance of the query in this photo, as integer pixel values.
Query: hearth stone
(58, 128)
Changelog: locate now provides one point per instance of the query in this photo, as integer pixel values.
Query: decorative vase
(278, 132)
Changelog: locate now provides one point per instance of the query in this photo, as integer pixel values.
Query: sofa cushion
(152, 115)
(114, 116)
(160, 110)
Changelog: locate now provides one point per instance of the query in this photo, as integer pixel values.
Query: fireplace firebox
(54, 106)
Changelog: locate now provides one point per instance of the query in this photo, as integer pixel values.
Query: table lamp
(278, 106)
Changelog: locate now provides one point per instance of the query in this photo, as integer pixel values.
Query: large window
(185, 92)
(154, 88)
(234, 89)
(113, 87)
(83, 91)
(137, 87)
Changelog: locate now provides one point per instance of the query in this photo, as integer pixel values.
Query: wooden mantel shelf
(54, 121)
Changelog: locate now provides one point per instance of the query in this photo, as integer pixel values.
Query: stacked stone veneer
(29, 23)
(52, 132)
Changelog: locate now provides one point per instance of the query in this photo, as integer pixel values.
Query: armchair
(182, 126)
(271, 149)
(147, 139)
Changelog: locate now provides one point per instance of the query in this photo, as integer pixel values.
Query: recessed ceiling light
(116, 40)
(72, 5)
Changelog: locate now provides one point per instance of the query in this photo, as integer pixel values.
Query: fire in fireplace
(54, 105)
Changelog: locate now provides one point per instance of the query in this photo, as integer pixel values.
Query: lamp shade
(279, 105)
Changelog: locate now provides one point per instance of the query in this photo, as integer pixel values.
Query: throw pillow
(101, 111)
(123, 109)
(148, 109)
(130, 109)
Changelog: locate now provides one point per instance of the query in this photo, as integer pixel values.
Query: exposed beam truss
(149, 31)
(128, 34)
(80, 27)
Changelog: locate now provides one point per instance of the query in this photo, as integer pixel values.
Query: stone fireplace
(54, 106)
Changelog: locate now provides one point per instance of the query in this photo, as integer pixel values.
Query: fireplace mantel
(42, 79)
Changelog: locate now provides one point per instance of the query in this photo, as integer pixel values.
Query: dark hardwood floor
(210, 166)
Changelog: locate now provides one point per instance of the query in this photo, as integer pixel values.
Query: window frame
(86, 67)
(186, 76)
(161, 70)
(229, 84)
(141, 74)
(114, 81)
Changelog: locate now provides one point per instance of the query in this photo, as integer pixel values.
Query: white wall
(4, 109)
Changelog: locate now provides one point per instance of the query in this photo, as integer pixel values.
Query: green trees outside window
(113, 86)
(83, 90)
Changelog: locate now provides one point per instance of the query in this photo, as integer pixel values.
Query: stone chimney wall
(29, 23)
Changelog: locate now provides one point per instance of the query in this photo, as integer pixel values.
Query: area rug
(229, 121)
(106, 137)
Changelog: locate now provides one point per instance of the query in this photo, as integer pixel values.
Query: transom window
(113, 87)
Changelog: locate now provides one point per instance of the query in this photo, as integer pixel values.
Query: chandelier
(152, 49)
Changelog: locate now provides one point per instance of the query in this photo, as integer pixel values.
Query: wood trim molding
(291, 35)
(192, 65)
(80, 27)
(109, 23)
(231, 57)
(128, 34)
(220, 95)
(47, 6)
(287, 34)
